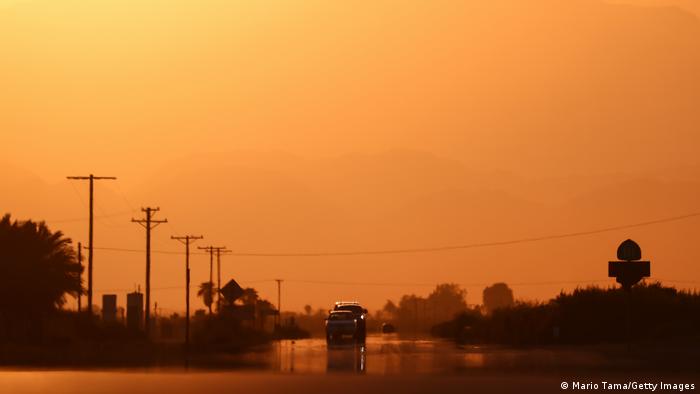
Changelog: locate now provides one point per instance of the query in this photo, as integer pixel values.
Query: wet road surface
(385, 364)
(389, 355)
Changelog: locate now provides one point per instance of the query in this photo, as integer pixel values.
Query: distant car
(358, 312)
(388, 328)
(341, 325)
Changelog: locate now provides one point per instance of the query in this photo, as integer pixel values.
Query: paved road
(385, 364)
(389, 355)
(135, 382)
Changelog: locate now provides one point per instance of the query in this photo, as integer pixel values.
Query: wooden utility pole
(218, 276)
(92, 180)
(279, 301)
(218, 250)
(187, 240)
(148, 223)
(80, 261)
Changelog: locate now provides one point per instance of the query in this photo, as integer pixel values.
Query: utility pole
(80, 261)
(279, 301)
(187, 240)
(148, 223)
(218, 276)
(218, 250)
(92, 180)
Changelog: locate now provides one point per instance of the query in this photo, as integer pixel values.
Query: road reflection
(390, 355)
(346, 358)
(379, 355)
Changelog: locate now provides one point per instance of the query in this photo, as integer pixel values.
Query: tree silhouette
(206, 291)
(415, 313)
(38, 268)
(249, 297)
(390, 308)
(264, 308)
(496, 296)
(446, 301)
(586, 316)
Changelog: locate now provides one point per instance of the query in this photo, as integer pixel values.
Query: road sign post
(628, 271)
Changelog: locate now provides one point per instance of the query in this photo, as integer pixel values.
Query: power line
(425, 284)
(126, 200)
(694, 282)
(395, 284)
(141, 251)
(101, 291)
(70, 220)
(103, 217)
(444, 248)
(474, 245)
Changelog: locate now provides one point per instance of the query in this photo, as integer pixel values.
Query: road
(389, 355)
(385, 364)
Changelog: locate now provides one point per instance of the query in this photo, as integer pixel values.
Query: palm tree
(38, 268)
(206, 291)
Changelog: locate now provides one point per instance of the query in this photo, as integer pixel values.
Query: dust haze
(285, 127)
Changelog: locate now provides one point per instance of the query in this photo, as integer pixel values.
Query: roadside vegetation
(591, 315)
(39, 268)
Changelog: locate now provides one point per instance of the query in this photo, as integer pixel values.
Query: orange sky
(302, 126)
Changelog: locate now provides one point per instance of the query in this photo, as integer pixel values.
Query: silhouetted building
(134, 310)
(109, 307)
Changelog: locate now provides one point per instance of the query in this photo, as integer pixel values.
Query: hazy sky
(312, 125)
